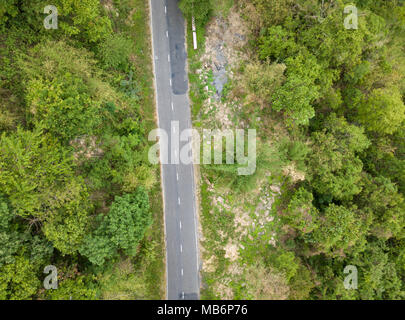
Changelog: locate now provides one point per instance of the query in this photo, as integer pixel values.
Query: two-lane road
(182, 257)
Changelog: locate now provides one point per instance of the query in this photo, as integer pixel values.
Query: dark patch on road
(178, 55)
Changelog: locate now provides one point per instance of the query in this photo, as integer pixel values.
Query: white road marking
(179, 200)
(167, 34)
(194, 33)
(182, 272)
(170, 82)
(177, 176)
(165, 9)
(181, 248)
(172, 106)
(180, 225)
(168, 57)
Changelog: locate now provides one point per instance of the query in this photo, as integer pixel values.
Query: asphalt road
(182, 258)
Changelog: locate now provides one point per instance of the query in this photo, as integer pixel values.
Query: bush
(114, 52)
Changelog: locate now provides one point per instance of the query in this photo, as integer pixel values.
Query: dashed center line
(179, 200)
(181, 248)
(180, 225)
(170, 82)
(167, 34)
(182, 272)
(168, 57)
(172, 106)
(177, 176)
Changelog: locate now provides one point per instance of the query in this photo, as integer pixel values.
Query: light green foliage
(18, 280)
(286, 262)
(302, 214)
(278, 44)
(72, 289)
(262, 80)
(61, 95)
(62, 106)
(67, 226)
(40, 185)
(121, 229)
(32, 168)
(383, 112)
(299, 90)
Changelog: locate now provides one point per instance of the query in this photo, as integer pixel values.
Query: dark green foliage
(121, 229)
(335, 168)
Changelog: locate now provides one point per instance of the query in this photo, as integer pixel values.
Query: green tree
(339, 229)
(62, 91)
(299, 91)
(122, 229)
(301, 213)
(381, 200)
(383, 112)
(334, 167)
(37, 175)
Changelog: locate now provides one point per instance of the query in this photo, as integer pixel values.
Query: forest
(328, 105)
(76, 188)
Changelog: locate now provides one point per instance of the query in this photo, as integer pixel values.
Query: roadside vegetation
(328, 107)
(76, 188)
